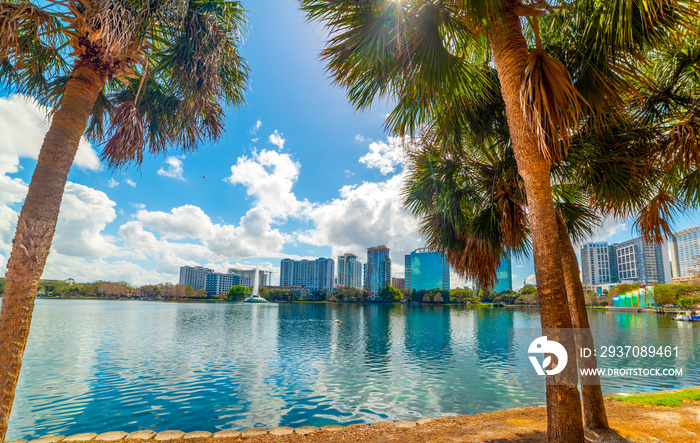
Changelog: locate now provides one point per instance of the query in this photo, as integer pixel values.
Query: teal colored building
(504, 275)
(426, 270)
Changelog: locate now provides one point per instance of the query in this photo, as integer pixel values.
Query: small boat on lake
(688, 316)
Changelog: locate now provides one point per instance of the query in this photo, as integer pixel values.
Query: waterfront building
(642, 262)
(378, 273)
(598, 264)
(504, 276)
(316, 274)
(426, 270)
(685, 255)
(217, 283)
(194, 276)
(349, 271)
(398, 283)
(250, 273)
(633, 260)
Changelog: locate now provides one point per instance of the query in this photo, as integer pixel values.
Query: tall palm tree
(419, 52)
(140, 76)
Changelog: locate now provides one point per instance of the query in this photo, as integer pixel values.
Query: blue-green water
(95, 366)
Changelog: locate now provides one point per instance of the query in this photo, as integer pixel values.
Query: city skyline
(298, 174)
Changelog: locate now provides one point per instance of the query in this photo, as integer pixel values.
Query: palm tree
(140, 76)
(494, 217)
(420, 52)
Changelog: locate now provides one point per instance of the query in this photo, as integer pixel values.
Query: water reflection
(94, 366)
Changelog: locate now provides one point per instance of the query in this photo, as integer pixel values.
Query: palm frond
(551, 104)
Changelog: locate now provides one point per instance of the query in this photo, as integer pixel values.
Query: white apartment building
(685, 254)
(349, 271)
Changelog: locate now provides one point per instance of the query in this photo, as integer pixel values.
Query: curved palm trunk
(564, 419)
(36, 226)
(593, 403)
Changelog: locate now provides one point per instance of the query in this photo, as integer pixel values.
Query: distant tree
(3, 282)
(462, 295)
(689, 301)
(437, 298)
(508, 297)
(666, 294)
(238, 293)
(527, 295)
(347, 293)
(591, 298)
(264, 292)
(426, 298)
(390, 294)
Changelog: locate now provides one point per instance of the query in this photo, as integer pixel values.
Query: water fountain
(255, 298)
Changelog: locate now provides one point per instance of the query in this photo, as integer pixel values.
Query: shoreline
(629, 422)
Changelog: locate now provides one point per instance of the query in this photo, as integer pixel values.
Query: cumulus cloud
(174, 168)
(530, 280)
(184, 221)
(130, 182)
(385, 156)
(112, 183)
(362, 216)
(254, 235)
(256, 127)
(84, 214)
(269, 176)
(23, 125)
(277, 140)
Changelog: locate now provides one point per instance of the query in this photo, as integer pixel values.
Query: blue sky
(298, 173)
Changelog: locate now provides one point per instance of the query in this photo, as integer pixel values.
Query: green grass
(669, 399)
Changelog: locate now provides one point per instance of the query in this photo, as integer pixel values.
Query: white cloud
(184, 221)
(530, 280)
(269, 177)
(174, 170)
(112, 183)
(23, 125)
(386, 156)
(253, 236)
(277, 140)
(84, 214)
(363, 216)
(130, 182)
(609, 228)
(256, 127)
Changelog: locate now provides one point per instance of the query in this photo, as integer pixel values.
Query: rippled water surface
(96, 366)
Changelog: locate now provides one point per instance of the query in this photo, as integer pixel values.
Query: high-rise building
(349, 271)
(398, 283)
(216, 282)
(642, 262)
(598, 264)
(426, 270)
(378, 274)
(194, 276)
(504, 276)
(250, 273)
(316, 274)
(685, 254)
(631, 260)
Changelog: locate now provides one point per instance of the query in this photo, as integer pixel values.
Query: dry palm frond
(684, 141)
(17, 19)
(551, 104)
(126, 136)
(654, 219)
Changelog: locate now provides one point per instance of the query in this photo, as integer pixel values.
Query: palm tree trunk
(36, 226)
(510, 51)
(593, 404)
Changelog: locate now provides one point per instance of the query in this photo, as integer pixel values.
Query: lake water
(96, 366)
